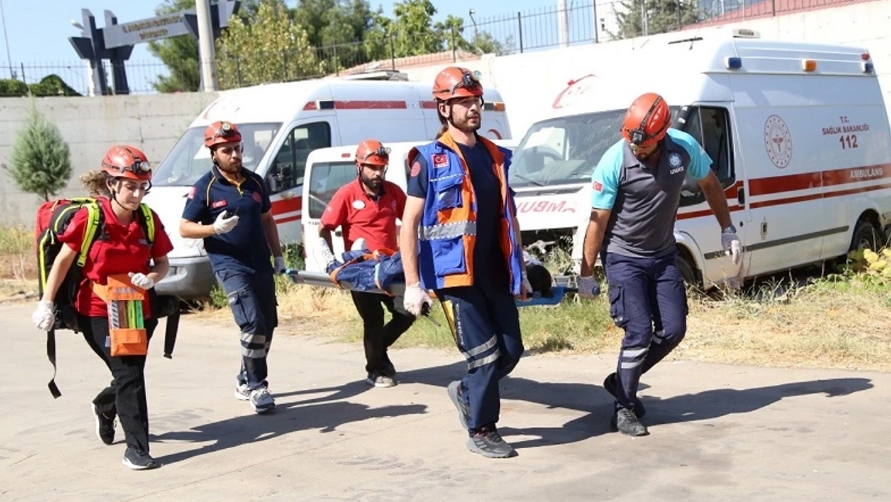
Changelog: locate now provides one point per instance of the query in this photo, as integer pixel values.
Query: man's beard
(372, 183)
(464, 125)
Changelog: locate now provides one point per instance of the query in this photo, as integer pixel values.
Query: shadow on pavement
(721, 402)
(325, 414)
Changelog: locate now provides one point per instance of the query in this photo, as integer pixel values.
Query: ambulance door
(711, 124)
(326, 174)
(285, 174)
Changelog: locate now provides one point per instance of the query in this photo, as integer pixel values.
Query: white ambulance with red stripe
(280, 125)
(798, 134)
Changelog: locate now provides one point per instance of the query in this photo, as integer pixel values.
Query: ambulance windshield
(565, 150)
(190, 159)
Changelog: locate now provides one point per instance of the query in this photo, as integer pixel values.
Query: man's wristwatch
(729, 230)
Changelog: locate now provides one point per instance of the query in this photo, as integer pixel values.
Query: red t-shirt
(359, 214)
(123, 249)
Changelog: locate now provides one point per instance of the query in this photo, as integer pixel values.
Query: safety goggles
(138, 167)
(469, 82)
(381, 151)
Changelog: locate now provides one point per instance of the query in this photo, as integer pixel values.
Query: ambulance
(798, 134)
(281, 124)
(328, 169)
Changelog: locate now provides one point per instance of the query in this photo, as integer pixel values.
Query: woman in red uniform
(121, 247)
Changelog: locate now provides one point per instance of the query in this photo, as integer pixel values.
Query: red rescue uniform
(360, 214)
(120, 249)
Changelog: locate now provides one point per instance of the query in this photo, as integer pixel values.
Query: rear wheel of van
(688, 271)
(866, 236)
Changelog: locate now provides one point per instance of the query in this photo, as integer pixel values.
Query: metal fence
(511, 33)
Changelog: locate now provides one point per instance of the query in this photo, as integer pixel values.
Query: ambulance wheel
(688, 271)
(866, 236)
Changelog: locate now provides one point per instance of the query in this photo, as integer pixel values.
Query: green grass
(17, 255)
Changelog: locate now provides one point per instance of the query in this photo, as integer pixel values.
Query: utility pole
(563, 22)
(205, 46)
(6, 39)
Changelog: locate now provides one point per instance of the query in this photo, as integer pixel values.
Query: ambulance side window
(289, 164)
(709, 126)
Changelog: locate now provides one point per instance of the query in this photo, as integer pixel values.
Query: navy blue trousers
(252, 300)
(486, 327)
(648, 300)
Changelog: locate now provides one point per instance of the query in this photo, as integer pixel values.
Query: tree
(451, 30)
(12, 87)
(52, 85)
(413, 31)
(661, 15)
(270, 49)
(41, 161)
(484, 43)
(339, 29)
(179, 54)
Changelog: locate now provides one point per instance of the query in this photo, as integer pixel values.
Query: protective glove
(224, 225)
(732, 246)
(589, 288)
(43, 316)
(279, 266)
(325, 256)
(415, 299)
(141, 280)
(526, 286)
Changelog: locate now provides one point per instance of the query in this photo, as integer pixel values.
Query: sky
(37, 33)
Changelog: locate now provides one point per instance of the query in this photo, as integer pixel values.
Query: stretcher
(558, 293)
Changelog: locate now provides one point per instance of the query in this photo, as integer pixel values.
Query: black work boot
(611, 385)
(626, 422)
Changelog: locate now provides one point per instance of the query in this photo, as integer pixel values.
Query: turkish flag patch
(256, 197)
(415, 169)
(440, 160)
(192, 192)
(218, 204)
(598, 186)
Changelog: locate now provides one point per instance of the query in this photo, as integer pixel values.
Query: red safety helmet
(125, 161)
(455, 82)
(371, 152)
(221, 132)
(647, 120)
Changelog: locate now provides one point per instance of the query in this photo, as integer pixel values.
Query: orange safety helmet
(647, 120)
(455, 82)
(125, 161)
(221, 132)
(373, 153)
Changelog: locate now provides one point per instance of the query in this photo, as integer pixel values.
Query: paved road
(717, 432)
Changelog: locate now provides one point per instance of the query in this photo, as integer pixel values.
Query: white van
(798, 134)
(328, 169)
(280, 125)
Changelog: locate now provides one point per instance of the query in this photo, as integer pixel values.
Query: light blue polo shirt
(644, 200)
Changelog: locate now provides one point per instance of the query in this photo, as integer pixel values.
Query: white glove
(415, 299)
(141, 280)
(224, 225)
(526, 285)
(279, 266)
(589, 288)
(43, 316)
(732, 246)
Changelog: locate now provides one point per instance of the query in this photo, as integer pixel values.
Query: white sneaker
(261, 400)
(242, 392)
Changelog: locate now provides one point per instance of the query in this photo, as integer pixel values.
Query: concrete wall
(529, 82)
(90, 125)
